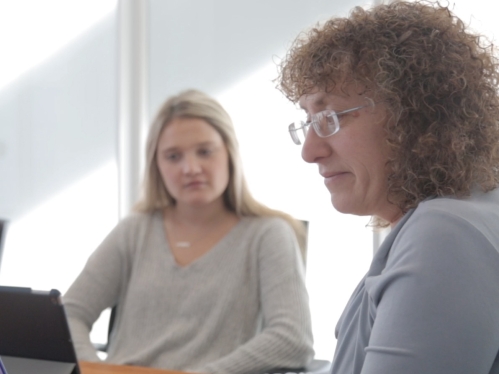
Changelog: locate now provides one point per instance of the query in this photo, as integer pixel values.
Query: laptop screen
(34, 333)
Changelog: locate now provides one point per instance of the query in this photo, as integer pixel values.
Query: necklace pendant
(183, 244)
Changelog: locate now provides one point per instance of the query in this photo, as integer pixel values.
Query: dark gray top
(430, 301)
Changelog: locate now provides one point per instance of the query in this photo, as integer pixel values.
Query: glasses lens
(298, 131)
(326, 123)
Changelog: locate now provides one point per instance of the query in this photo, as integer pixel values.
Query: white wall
(58, 119)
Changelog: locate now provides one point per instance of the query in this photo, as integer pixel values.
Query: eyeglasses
(325, 123)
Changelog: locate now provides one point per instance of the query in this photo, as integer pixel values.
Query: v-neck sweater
(242, 307)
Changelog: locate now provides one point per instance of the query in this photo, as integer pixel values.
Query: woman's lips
(195, 184)
(334, 178)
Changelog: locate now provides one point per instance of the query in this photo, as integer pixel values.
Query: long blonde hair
(237, 198)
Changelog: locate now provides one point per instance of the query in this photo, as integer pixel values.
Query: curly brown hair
(438, 79)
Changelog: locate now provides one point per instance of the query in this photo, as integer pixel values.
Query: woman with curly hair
(403, 106)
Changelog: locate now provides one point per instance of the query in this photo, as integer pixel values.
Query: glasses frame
(314, 121)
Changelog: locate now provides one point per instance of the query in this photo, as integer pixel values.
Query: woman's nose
(191, 165)
(314, 147)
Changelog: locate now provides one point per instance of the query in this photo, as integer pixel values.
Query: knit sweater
(240, 308)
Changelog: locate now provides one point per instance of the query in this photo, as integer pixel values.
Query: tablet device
(34, 333)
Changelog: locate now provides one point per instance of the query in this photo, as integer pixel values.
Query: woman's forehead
(343, 93)
(322, 98)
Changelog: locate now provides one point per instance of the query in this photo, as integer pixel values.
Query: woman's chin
(348, 205)
(341, 204)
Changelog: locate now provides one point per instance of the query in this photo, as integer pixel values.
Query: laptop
(34, 333)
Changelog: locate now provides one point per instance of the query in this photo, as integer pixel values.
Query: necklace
(187, 238)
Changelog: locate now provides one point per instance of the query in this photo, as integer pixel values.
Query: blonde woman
(205, 278)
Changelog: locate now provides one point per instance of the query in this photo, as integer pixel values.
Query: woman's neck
(194, 216)
(193, 231)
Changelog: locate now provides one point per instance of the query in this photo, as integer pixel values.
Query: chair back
(3, 229)
(304, 245)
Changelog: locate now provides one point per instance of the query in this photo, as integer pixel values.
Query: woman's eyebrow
(208, 142)
(176, 148)
(167, 150)
(315, 102)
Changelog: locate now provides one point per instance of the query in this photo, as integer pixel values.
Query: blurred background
(80, 81)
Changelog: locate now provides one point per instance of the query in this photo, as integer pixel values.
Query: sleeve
(96, 288)
(437, 301)
(286, 338)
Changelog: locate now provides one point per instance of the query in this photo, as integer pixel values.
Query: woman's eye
(344, 118)
(205, 152)
(172, 157)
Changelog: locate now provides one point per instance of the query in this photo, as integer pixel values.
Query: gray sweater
(429, 304)
(240, 308)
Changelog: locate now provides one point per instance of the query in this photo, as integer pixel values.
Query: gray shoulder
(138, 218)
(266, 224)
(477, 209)
(448, 219)
(136, 223)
